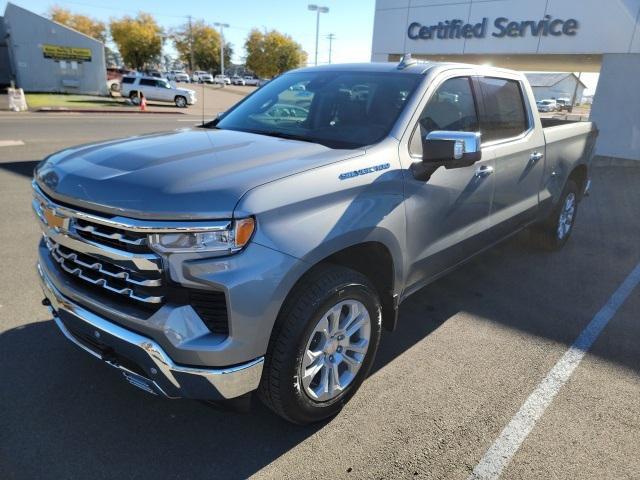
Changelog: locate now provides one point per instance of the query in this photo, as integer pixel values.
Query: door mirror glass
(451, 149)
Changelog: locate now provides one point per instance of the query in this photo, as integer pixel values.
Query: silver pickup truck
(267, 250)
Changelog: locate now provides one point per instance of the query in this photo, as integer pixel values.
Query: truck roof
(418, 67)
(412, 66)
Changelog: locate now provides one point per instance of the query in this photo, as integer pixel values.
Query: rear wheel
(323, 345)
(180, 101)
(135, 99)
(554, 232)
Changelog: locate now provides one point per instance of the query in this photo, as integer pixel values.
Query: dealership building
(531, 35)
(40, 55)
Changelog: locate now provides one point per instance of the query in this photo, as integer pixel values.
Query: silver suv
(267, 250)
(157, 89)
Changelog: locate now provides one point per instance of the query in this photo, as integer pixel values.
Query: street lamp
(222, 27)
(318, 9)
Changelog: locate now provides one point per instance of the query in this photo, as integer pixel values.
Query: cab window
(452, 108)
(504, 113)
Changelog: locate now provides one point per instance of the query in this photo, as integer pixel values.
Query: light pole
(222, 27)
(318, 9)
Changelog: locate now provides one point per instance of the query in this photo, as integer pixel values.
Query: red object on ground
(143, 104)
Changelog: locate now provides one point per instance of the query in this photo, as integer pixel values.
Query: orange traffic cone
(143, 103)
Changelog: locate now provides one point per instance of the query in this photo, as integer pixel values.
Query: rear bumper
(142, 361)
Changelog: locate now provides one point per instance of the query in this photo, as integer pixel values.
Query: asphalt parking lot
(468, 352)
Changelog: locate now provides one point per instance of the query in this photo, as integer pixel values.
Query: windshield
(335, 109)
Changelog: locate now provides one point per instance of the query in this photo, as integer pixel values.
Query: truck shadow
(24, 168)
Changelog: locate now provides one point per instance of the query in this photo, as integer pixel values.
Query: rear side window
(128, 80)
(504, 113)
(147, 82)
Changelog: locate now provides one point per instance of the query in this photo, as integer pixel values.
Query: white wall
(616, 107)
(605, 26)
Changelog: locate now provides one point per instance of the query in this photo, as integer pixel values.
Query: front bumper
(141, 360)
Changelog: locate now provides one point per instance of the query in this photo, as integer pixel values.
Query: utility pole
(222, 27)
(318, 10)
(575, 91)
(331, 38)
(191, 62)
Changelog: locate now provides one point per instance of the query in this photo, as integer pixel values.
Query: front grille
(211, 307)
(112, 259)
(114, 237)
(137, 286)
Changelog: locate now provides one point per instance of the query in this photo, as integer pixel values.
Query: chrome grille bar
(112, 236)
(100, 268)
(101, 282)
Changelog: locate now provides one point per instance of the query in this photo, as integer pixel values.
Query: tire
(554, 232)
(115, 87)
(180, 101)
(135, 99)
(296, 339)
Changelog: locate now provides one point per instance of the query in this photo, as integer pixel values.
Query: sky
(351, 21)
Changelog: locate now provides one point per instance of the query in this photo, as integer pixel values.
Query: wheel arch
(375, 261)
(580, 176)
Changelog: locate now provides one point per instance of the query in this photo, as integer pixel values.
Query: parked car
(268, 253)
(114, 77)
(222, 79)
(251, 81)
(179, 76)
(237, 80)
(263, 81)
(201, 77)
(547, 106)
(154, 73)
(158, 89)
(564, 104)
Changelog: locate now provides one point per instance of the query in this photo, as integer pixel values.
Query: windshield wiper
(288, 136)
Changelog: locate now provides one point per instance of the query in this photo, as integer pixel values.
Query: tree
(205, 42)
(83, 24)
(272, 53)
(139, 39)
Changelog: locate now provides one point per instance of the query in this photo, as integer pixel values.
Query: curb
(96, 110)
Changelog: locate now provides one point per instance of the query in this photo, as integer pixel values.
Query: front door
(447, 213)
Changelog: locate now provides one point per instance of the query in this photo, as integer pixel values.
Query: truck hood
(185, 174)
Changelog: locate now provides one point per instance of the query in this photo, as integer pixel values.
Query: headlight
(222, 242)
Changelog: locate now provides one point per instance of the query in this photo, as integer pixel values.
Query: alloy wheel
(335, 350)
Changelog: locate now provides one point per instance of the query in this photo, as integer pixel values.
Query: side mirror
(451, 149)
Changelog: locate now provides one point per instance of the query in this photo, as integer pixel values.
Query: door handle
(535, 156)
(484, 171)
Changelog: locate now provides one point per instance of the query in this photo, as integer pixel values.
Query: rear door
(513, 136)
(148, 88)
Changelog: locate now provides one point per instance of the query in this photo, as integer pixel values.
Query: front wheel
(554, 232)
(180, 101)
(322, 346)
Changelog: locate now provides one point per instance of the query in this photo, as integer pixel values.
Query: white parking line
(11, 143)
(506, 445)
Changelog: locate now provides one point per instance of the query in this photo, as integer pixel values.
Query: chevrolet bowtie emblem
(54, 220)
